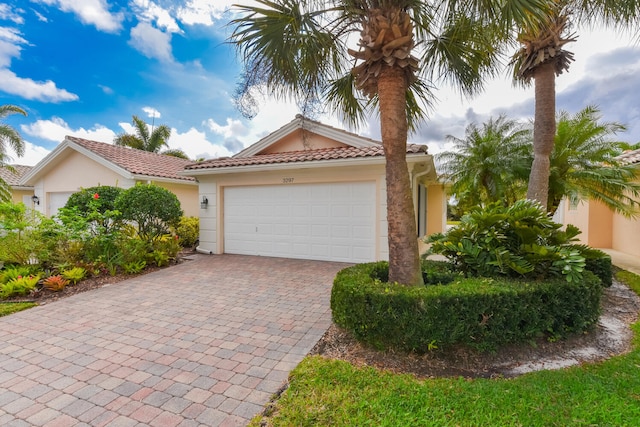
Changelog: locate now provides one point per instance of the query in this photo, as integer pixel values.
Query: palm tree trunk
(544, 131)
(404, 259)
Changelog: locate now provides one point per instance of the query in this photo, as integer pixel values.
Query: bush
(153, 209)
(85, 200)
(188, 230)
(433, 272)
(515, 241)
(484, 313)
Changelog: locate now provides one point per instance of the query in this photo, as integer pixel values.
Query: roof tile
(630, 157)
(137, 162)
(335, 153)
(13, 178)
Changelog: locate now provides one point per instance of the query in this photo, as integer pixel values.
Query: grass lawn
(326, 392)
(14, 307)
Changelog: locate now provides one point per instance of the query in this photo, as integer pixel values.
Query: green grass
(327, 392)
(13, 307)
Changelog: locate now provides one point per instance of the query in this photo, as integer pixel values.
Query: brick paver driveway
(203, 343)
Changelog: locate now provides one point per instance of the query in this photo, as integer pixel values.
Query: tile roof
(301, 156)
(12, 178)
(137, 162)
(630, 157)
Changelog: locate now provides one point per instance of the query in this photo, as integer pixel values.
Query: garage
(323, 221)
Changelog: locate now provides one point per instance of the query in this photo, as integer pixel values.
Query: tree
(9, 136)
(299, 50)
(143, 139)
(583, 164)
(543, 57)
(489, 165)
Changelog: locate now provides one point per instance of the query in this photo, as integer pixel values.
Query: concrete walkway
(624, 261)
(204, 343)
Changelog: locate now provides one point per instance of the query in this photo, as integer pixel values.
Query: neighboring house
(19, 193)
(78, 163)
(309, 191)
(600, 226)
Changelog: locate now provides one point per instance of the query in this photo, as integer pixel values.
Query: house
(19, 193)
(600, 226)
(309, 191)
(78, 163)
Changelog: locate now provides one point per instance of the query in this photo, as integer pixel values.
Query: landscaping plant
(520, 240)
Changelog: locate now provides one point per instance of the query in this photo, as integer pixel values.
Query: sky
(84, 67)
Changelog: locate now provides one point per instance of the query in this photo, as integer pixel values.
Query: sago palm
(489, 164)
(543, 56)
(353, 57)
(143, 139)
(9, 137)
(584, 164)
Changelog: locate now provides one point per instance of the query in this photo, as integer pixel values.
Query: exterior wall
(600, 225)
(578, 216)
(18, 196)
(187, 194)
(301, 140)
(212, 187)
(625, 235)
(436, 209)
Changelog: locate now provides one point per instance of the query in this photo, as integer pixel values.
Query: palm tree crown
(9, 137)
(143, 139)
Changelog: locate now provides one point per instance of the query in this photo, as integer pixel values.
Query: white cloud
(32, 154)
(8, 14)
(46, 91)
(40, 16)
(233, 128)
(149, 11)
(106, 89)
(56, 129)
(92, 12)
(151, 42)
(151, 112)
(204, 12)
(195, 144)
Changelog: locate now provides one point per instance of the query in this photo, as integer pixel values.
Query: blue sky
(84, 67)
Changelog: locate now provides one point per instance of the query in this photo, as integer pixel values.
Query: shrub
(55, 283)
(480, 312)
(188, 230)
(153, 209)
(13, 273)
(86, 201)
(433, 272)
(19, 286)
(515, 241)
(74, 275)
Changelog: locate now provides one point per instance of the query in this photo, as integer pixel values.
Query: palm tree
(298, 49)
(543, 57)
(10, 136)
(584, 165)
(143, 139)
(490, 164)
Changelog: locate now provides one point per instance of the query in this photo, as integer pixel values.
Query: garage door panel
(313, 221)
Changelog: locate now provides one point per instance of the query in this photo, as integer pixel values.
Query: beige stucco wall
(436, 209)
(212, 187)
(186, 193)
(600, 225)
(299, 140)
(579, 217)
(17, 196)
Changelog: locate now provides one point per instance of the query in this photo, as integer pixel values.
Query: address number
(287, 180)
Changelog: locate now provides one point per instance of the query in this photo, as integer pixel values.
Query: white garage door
(332, 222)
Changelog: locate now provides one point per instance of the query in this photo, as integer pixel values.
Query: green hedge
(484, 313)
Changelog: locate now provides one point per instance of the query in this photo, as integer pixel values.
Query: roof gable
(128, 162)
(305, 134)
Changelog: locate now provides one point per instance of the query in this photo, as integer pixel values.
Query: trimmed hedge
(484, 313)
